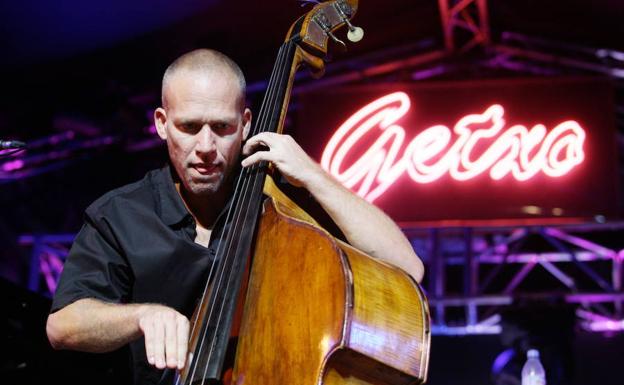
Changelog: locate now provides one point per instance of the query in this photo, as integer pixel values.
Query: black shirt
(137, 246)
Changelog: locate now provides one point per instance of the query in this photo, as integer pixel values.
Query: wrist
(313, 177)
(139, 310)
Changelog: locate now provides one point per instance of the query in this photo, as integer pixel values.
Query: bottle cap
(533, 353)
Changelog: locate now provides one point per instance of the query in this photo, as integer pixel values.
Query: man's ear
(246, 123)
(160, 120)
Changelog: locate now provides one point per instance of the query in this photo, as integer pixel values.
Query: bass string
(276, 96)
(219, 252)
(232, 211)
(236, 210)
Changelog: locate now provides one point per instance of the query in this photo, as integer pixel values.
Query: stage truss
(475, 273)
(464, 24)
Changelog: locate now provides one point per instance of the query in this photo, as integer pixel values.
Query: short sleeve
(95, 268)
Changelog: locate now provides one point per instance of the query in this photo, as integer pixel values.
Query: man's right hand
(166, 335)
(91, 325)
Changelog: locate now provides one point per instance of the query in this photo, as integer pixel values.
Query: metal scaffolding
(464, 24)
(500, 267)
(47, 256)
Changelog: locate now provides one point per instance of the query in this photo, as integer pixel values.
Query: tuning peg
(355, 34)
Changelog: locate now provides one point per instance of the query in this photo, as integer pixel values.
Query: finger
(183, 337)
(171, 343)
(263, 139)
(159, 343)
(251, 146)
(257, 157)
(148, 335)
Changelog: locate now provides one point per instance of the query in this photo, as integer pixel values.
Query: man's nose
(205, 140)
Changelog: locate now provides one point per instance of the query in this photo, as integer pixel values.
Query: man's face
(204, 127)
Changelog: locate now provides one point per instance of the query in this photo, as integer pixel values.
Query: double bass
(316, 310)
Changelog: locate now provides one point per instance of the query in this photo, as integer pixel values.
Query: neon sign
(517, 151)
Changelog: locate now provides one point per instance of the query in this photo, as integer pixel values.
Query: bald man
(141, 259)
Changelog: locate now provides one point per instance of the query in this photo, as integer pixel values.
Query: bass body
(319, 311)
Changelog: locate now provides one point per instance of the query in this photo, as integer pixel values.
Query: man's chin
(203, 185)
(204, 190)
(207, 185)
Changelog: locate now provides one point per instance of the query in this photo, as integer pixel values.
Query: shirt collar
(172, 208)
(173, 211)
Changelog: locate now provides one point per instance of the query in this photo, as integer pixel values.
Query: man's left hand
(285, 154)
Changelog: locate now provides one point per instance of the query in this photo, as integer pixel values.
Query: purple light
(580, 242)
(606, 326)
(46, 270)
(429, 73)
(465, 330)
(13, 165)
(600, 323)
(501, 248)
(502, 360)
(56, 139)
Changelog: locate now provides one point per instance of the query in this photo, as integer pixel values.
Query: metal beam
(576, 256)
(465, 24)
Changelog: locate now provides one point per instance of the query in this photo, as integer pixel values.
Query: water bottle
(533, 371)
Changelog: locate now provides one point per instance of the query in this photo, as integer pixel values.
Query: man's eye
(189, 126)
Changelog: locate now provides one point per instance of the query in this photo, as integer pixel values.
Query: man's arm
(94, 326)
(365, 226)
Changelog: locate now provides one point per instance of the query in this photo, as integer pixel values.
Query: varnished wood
(320, 312)
(295, 308)
(319, 44)
(390, 317)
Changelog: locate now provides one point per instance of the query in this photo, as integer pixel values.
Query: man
(137, 265)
